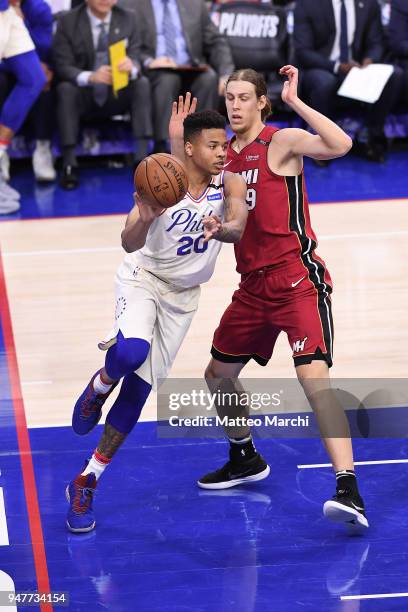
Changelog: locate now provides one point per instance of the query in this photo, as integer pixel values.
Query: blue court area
(16, 553)
(163, 544)
(108, 190)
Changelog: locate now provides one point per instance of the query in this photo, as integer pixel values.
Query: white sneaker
(8, 206)
(43, 163)
(7, 192)
(5, 166)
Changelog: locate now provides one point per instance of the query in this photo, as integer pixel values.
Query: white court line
(366, 235)
(324, 465)
(118, 248)
(7, 586)
(32, 383)
(379, 596)
(63, 251)
(4, 539)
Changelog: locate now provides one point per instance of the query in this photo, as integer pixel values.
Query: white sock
(242, 441)
(3, 149)
(101, 387)
(96, 466)
(43, 144)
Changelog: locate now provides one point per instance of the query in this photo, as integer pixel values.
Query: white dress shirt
(351, 29)
(83, 77)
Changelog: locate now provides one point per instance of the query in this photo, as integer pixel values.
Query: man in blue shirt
(178, 36)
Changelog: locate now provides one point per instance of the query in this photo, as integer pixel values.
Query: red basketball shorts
(292, 298)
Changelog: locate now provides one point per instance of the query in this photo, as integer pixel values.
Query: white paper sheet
(366, 84)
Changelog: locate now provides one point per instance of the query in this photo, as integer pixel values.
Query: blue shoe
(88, 408)
(79, 493)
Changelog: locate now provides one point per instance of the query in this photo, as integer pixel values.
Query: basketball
(161, 179)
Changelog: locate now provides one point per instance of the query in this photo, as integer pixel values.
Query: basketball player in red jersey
(285, 286)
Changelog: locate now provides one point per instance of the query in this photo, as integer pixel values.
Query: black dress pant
(75, 103)
(166, 87)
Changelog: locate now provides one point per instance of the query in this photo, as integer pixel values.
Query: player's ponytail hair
(257, 79)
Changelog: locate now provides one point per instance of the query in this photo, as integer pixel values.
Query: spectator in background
(181, 33)
(330, 38)
(38, 20)
(82, 66)
(57, 6)
(229, 1)
(398, 35)
(18, 56)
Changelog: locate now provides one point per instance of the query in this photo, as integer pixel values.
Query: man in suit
(175, 33)
(398, 36)
(332, 36)
(82, 66)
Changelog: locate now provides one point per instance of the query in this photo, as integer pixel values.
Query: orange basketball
(161, 179)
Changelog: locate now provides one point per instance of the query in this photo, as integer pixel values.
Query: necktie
(169, 31)
(344, 42)
(100, 91)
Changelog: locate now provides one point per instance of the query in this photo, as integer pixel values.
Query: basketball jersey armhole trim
(275, 174)
(222, 184)
(266, 144)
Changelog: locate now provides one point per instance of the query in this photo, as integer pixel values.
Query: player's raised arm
(138, 223)
(236, 212)
(330, 140)
(180, 110)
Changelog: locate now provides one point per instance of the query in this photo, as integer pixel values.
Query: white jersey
(175, 250)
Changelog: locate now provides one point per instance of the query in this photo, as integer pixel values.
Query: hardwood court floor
(59, 275)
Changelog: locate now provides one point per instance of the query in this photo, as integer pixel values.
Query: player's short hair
(258, 80)
(195, 123)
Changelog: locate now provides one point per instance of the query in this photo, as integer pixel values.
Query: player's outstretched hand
(147, 212)
(290, 87)
(212, 225)
(180, 110)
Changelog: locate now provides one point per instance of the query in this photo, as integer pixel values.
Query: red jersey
(278, 229)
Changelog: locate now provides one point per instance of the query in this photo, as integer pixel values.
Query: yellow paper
(117, 53)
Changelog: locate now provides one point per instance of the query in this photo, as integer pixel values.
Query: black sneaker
(235, 473)
(346, 507)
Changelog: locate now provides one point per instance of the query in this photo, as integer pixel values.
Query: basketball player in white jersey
(170, 253)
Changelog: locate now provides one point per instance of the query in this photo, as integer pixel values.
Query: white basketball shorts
(151, 309)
